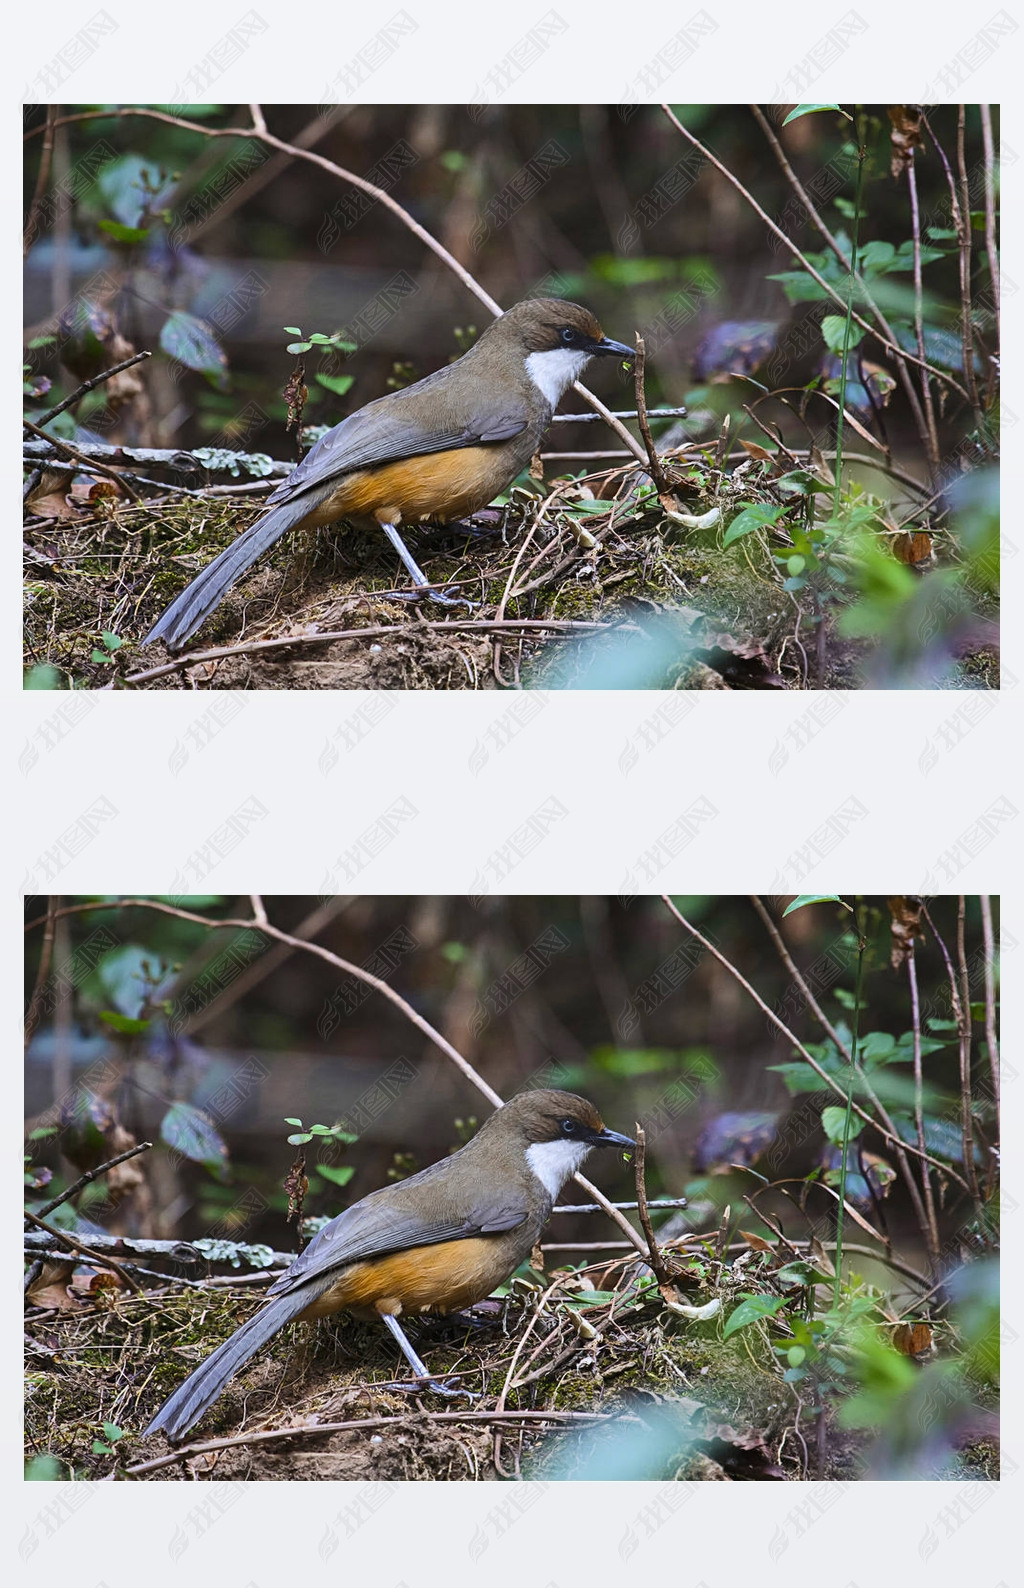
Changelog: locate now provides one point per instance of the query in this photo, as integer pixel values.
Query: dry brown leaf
(49, 499)
(51, 1289)
(906, 136)
(905, 926)
(821, 1258)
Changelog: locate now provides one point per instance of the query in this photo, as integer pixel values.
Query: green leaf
(190, 340)
(44, 1469)
(336, 1176)
(123, 978)
(338, 384)
(299, 1141)
(585, 505)
(750, 1310)
(127, 186)
(800, 1273)
(122, 1023)
(799, 287)
(833, 329)
(808, 110)
(124, 234)
(799, 1077)
(589, 1298)
(192, 1133)
(813, 898)
(293, 330)
(796, 565)
(111, 641)
(833, 1122)
(799, 482)
(750, 518)
(298, 347)
(294, 1122)
(876, 1047)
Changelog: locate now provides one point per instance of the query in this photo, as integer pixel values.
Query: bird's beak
(612, 1138)
(614, 349)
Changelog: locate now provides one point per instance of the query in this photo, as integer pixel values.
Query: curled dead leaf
(906, 136)
(904, 926)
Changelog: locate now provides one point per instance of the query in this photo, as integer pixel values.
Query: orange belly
(439, 1278)
(441, 485)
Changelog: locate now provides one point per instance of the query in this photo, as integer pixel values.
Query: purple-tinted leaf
(191, 341)
(192, 1133)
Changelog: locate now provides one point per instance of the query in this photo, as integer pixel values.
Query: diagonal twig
(91, 1175)
(348, 968)
(259, 131)
(89, 385)
(805, 263)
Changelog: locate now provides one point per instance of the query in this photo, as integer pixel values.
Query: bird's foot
(427, 593)
(416, 1386)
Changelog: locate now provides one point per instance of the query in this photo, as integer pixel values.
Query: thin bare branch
(45, 961)
(42, 177)
(91, 1175)
(259, 131)
(892, 347)
(991, 1039)
(931, 1227)
(829, 1081)
(966, 1101)
(348, 968)
(900, 1147)
(80, 1249)
(991, 245)
(372, 631)
(90, 385)
(932, 435)
(77, 457)
(833, 243)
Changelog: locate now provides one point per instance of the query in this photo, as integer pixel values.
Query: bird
(434, 1243)
(437, 450)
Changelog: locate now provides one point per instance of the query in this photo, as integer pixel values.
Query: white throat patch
(554, 372)
(554, 1161)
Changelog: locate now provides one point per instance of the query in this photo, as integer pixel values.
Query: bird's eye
(568, 334)
(568, 1127)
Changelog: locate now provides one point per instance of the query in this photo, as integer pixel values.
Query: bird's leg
(423, 586)
(418, 1367)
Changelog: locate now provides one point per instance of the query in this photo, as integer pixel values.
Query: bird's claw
(416, 1386)
(427, 593)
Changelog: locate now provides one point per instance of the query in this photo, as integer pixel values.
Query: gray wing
(393, 427)
(382, 1223)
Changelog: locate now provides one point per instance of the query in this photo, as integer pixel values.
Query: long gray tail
(208, 589)
(199, 1391)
